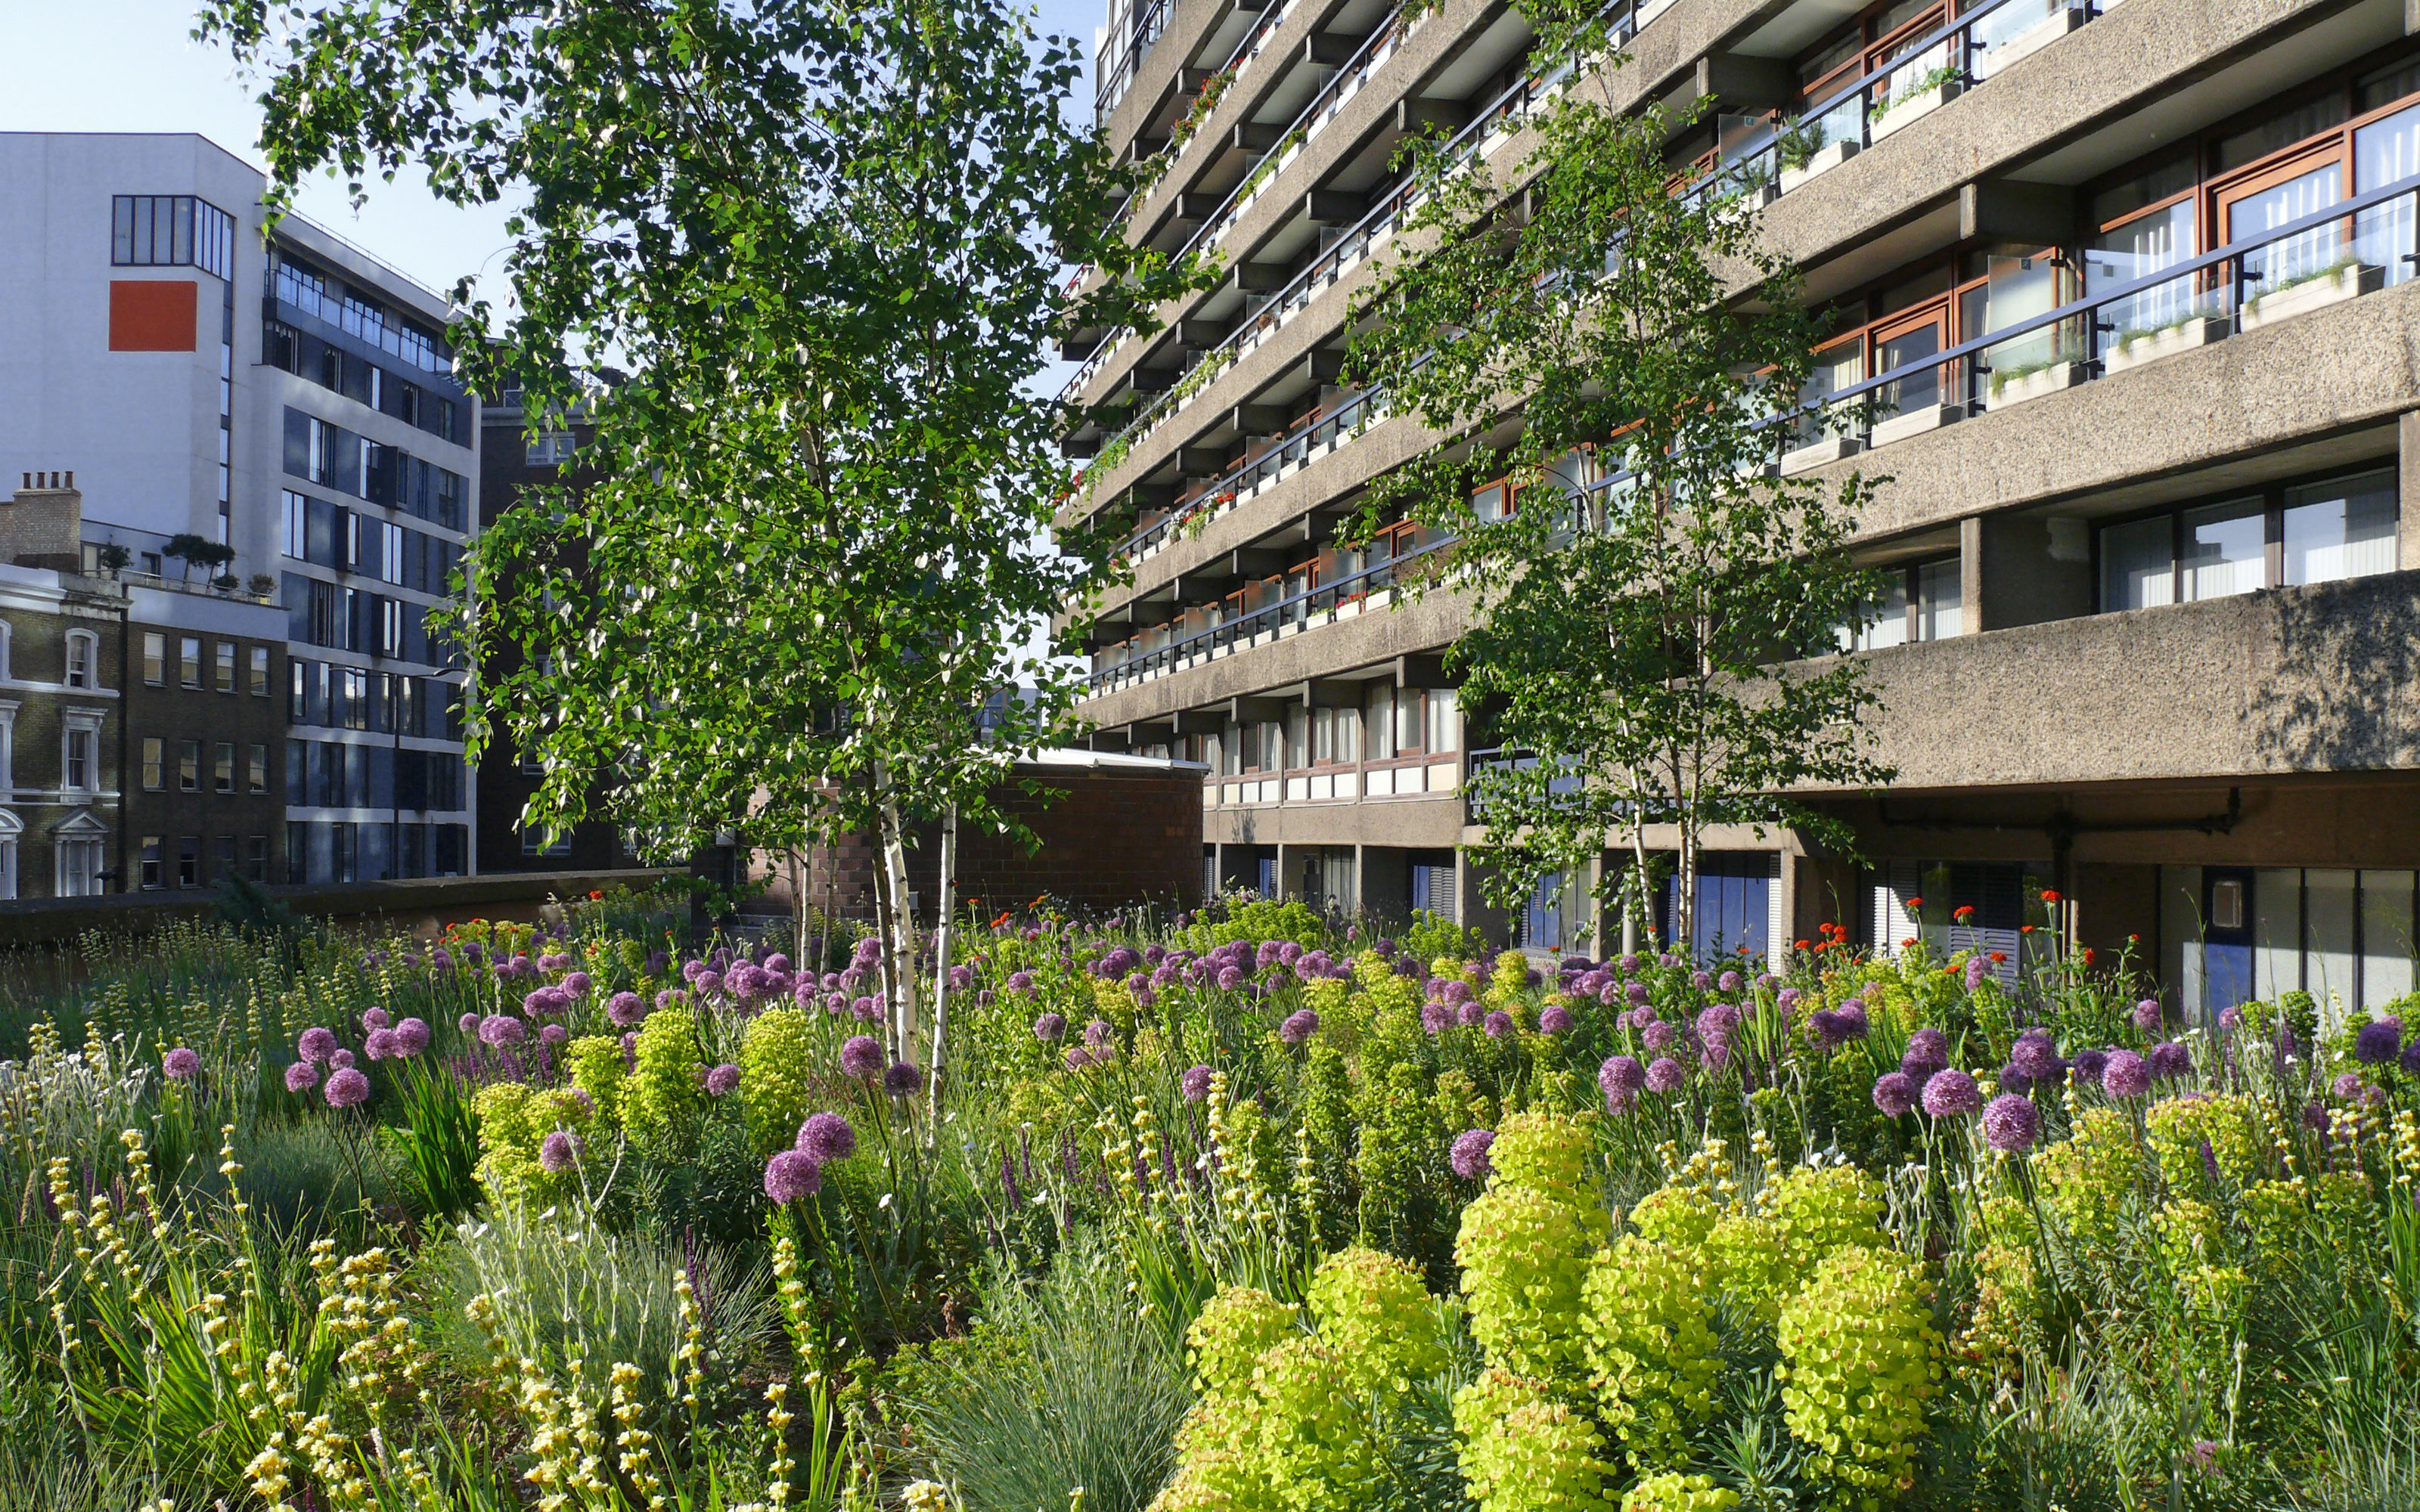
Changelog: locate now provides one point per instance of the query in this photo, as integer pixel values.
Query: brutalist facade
(2126, 311)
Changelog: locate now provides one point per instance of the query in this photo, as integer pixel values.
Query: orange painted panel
(150, 315)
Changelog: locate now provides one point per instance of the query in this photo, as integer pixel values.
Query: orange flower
(596, 895)
(1000, 922)
(2050, 896)
(2088, 955)
(1964, 914)
(1998, 957)
(1908, 943)
(1805, 945)
(1915, 903)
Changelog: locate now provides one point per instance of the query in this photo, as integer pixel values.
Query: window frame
(2272, 497)
(83, 666)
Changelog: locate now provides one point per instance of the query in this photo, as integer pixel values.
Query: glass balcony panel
(1939, 600)
(2303, 255)
(2138, 249)
(1920, 390)
(2226, 549)
(2137, 566)
(2345, 528)
(2384, 152)
(1989, 37)
(2017, 289)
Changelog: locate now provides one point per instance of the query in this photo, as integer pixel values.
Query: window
(7, 637)
(189, 861)
(80, 759)
(259, 768)
(2314, 533)
(224, 654)
(537, 841)
(224, 768)
(1444, 720)
(223, 856)
(155, 775)
(297, 851)
(154, 864)
(390, 552)
(256, 858)
(189, 766)
(9, 866)
(7, 749)
(261, 671)
(84, 656)
(298, 526)
(357, 699)
(155, 657)
(550, 449)
(189, 660)
(171, 231)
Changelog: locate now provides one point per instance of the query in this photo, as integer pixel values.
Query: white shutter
(1777, 921)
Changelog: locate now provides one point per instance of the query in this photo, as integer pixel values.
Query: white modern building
(278, 392)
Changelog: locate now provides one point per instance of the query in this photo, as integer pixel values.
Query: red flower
(2088, 955)
(1915, 903)
(1998, 957)
(2050, 896)
(1805, 945)
(1909, 943)
(1964, 914)
(2024, 929)
(596, 895)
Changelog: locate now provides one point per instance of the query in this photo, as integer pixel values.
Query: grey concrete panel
(1419, 823)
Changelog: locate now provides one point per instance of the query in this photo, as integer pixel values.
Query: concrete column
(2024, 569)
(2407, 433)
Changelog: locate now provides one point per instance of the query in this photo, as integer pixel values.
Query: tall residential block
(279, 394)
(2123, 305)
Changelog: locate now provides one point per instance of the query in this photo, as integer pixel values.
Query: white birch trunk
(947, 883)
(899, 938)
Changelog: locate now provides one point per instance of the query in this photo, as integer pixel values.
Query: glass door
(2226, 937)
(2278, 197)
(1912, 338)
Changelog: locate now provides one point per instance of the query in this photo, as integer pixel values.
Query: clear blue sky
(131, 66)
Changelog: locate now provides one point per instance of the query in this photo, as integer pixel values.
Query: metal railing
(2216, 286)
(1295, 445)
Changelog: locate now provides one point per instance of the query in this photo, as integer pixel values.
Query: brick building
(207, 748)
(62, 702)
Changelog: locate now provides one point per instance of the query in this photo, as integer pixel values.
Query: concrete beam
(1258, 419)
(1262, 278)
(1753, 83)
(1333, 207)
(1329, 49)
(1421, 672)
(2036, 215)
(1253, 136)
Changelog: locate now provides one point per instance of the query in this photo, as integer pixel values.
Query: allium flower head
(1620, 1079)
(1020, 982)
(500, 1029)
(1948, 1094)
(1229, 977)
(1928, 1051)
(1701, 980)
(558, 1152)
(2168, 1061)
(2090, 1064)
(2411, 1059)
(2036, 1055)
(1435, 1016)
(707, 982)
(1469, 1156)
(625, 1010)
(1500, 1024)
(553, 1033)
(2125, 1076)
(302, 1076)
(468, 1024)
(791, 1177)
(347, 1087)
(903, 1080)
(380, 1045)
(2011, 1123)
(317, 1045)
(2231, 1018)
(1197, 1084)
(1665, 1076)
(341, 1059)
(1096, 1033)
(1471, 1014)
(1895, 1094)
(2378, 1041)
(2348, 1086)
(1728, 981)
(2146, 1014)
(827, 1138)
(1659, 1035)
(577, 983)
(2315, 1116)
(862, 1058)
(410, 1038)
(180, 1064)
(1555, 1019)
(1299, 1025)
(723, 1080)
(1636, 992)
(374, 1018)
(1051, 1027)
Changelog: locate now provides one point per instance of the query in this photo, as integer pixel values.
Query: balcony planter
(1830, 449)
(2033, 38)
(1825, 161)
(1908, 109)
(2333, 286)
(1917, 422)
(2150, 346)
(2018, 385)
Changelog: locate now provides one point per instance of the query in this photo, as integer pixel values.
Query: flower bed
(1240, 1210)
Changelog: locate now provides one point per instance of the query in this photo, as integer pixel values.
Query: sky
(133, 65)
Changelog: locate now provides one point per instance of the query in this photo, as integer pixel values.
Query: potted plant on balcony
(262, 585)
(2347, 278)
(113, 559)
(1804, 153)
(1920, 97)
(197, 551)
(2137, 344)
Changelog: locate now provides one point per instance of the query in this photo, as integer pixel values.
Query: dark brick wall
(1110, 838)
(171, 713)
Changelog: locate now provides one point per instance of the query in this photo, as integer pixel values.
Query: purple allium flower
(2091, 1064)
(1659, 1035)
(302, 1076)
(1555, 1019)
(2011, 1123)
(1849, 1017)
(2378, 1042)
(1435, 1016)
(778, 962)
(380, 1045)
(625, 1010)
(341, 1059)
(1629, 964)
(792, 1177)
(1620, 1078)
(862, 1058)
(1665, 1075)
(1299, 1025)
(1457, 991)
(2125, 1076)
(1020, 982)
(2012, 1078)
(827, 1138)
(723, 1080)
(410, 1038)
(468, 1024)
(373, 1019)
(2035, 1055)
(1051, 1027)
(543, 1001)
(2231, 1018)
(866, 1011)
(1728, 981)
(707, 981)
(2411, 1061)
(1701, 980)
(1823, 1025)
(1471, 1014)
(1928, 1051)
(903, 1080)
(317, 1045)
(1078, 1057)
(1895, 1094)
(577, 983)
(2315, 1116)
(2146, 1014)
(2346, 1087)
(1229, 977)
(1500, 1024)
(2167, 1060)
(500, 1029)
(347, 1087)
(1197, 1084)
(1950, 1094)
(1469, 1156)
(1096, 1033)
(558, 1152)
(180, 1064)
(1636, 992)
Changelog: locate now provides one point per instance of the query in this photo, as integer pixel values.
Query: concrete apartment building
(285, 396)
(2130, 287)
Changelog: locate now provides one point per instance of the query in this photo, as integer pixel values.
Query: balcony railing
(1510, 758)
(1295, 446)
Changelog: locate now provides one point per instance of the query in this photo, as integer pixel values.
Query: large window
(84, 659)
(1923, 601)
(171, 231)
(80, 754)
(2306, 533)
(79, 862)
